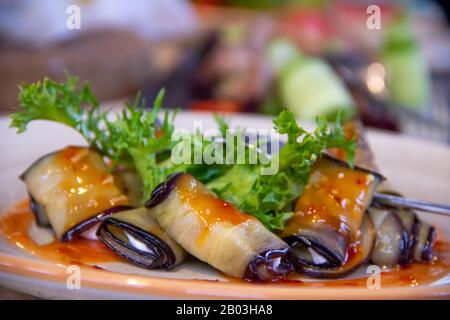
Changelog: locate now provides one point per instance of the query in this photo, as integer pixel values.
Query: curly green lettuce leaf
(133, 137)
(269, 197)
(136, 138)
(59, 102)
(197, 142)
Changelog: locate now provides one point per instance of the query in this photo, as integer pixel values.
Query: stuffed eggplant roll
(401, 237)
(329, 214)
(215, 232)
(137, 237)
(72, 190)
(358, 253)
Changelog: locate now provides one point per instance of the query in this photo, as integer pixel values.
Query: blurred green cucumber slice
(407, 76)
(309, 87)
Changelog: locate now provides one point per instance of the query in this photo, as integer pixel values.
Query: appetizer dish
(122, 197)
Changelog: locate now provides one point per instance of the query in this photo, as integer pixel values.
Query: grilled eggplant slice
(411, 224)
(357, 255)
(423, 246)
(137, 237)
(73, 189)
(213, 231)
(401, 237)
(329, 213)
(391, 243)
(420, 236)
(39, 212)
(412, 239)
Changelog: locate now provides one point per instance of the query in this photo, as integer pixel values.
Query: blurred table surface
(9, 294)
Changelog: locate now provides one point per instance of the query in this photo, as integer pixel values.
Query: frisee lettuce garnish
(135, 138)
(270, 197)
(131, 138)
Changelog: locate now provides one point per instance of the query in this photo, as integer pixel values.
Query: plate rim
(151, 287)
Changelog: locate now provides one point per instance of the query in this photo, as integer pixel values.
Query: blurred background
(386, 61)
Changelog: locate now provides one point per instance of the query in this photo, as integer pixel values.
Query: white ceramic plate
(419, 169)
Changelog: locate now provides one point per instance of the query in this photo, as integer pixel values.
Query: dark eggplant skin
(367, 244)
(419, 238)
(321, 242)
(411, 225)
(426, 237)
(137, 237)
(39, 212)
(265, 267)
(89, 223)
(427, 253)
(163, 190)
(163, 257)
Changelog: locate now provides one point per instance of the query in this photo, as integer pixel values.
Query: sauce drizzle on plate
(17, 221)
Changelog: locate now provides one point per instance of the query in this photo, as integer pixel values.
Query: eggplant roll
(72, 190)
(215, 232)
(329, 213)
(137, 237)
(401, 237)
(358, 253)
(354, 130)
